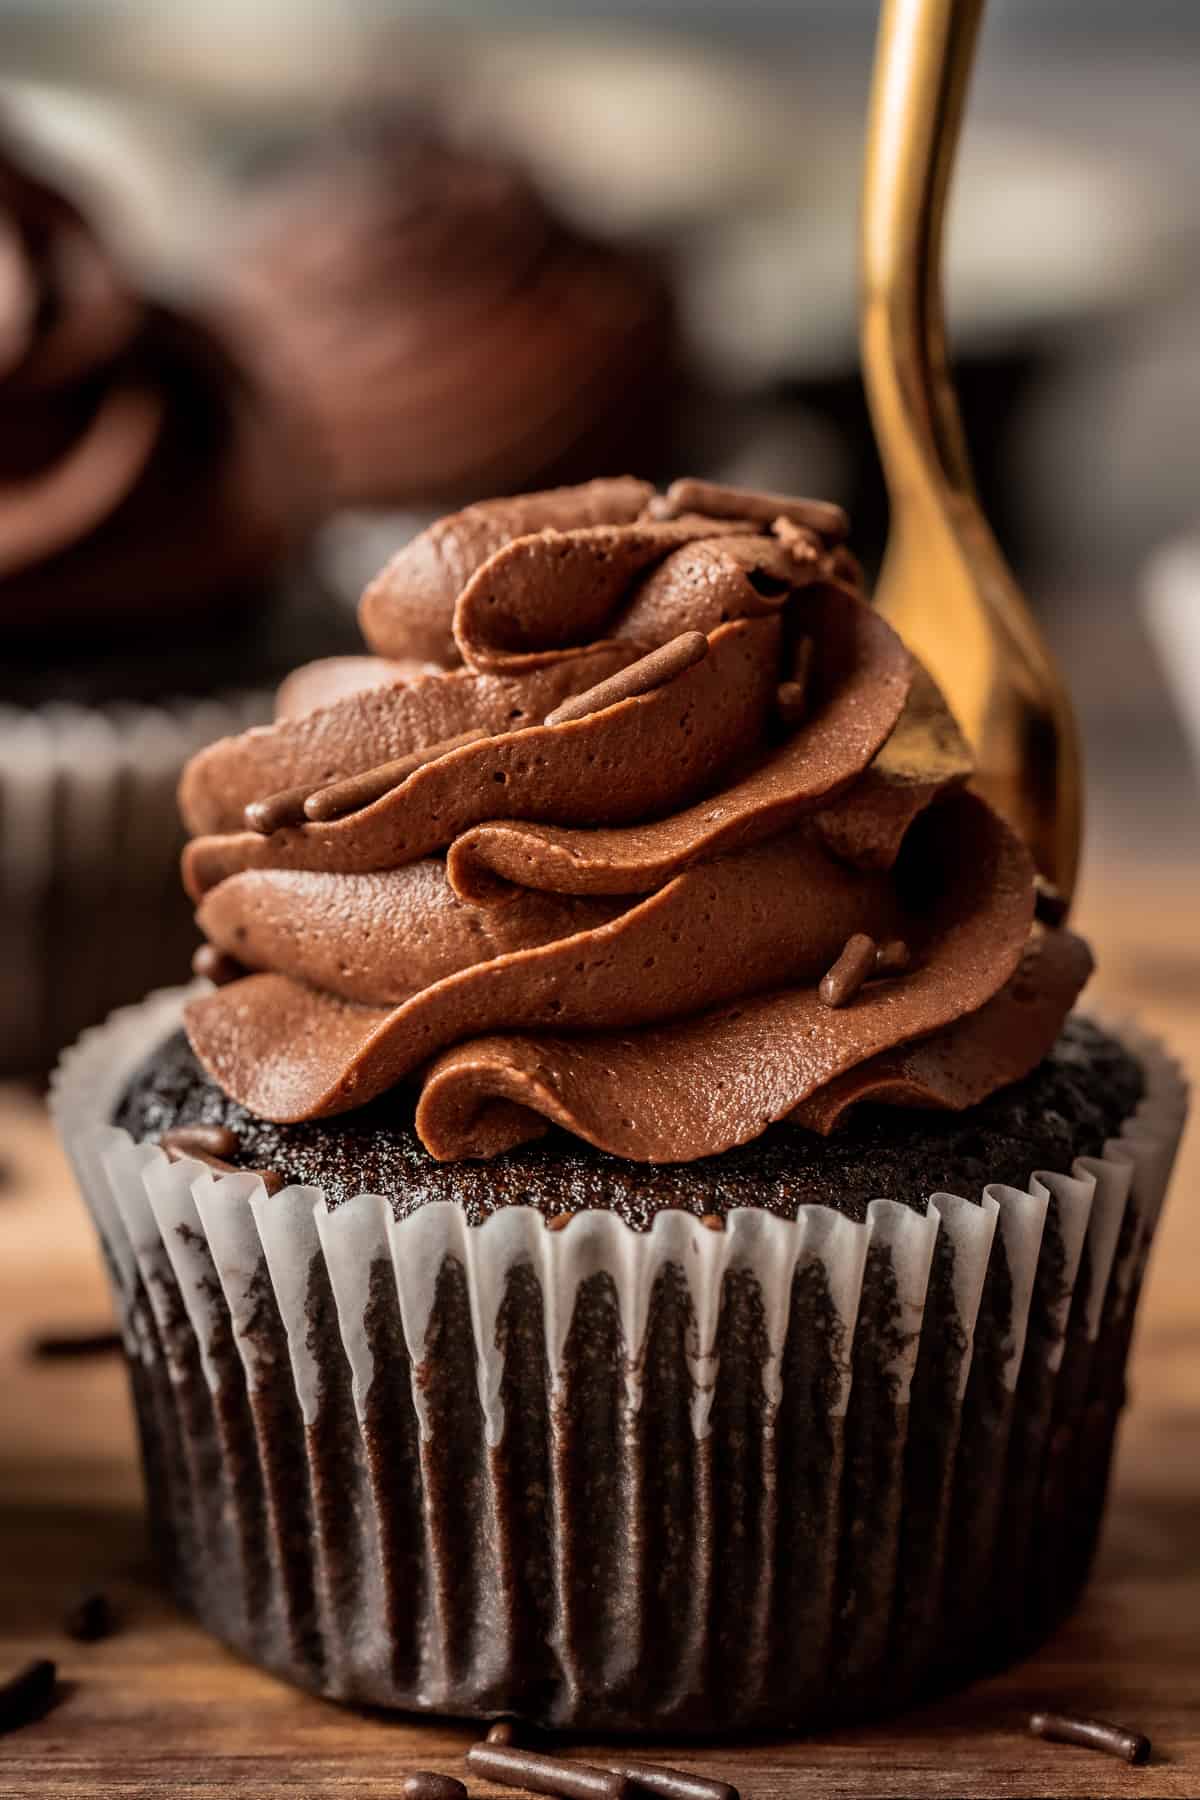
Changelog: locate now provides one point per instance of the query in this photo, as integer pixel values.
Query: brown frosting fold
(409, 607)
(673, 738)
(854, 704)
(969, 1059)
(137, 465)
(698, 1088)
(370, 725)
(618, 923)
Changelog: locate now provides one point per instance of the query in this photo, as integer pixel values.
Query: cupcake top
(638, 821)
(450, 335)
(139, 474)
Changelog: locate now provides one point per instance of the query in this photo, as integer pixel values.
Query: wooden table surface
(159, 1709)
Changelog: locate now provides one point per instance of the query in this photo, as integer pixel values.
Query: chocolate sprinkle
(892, 958)
(649, 672)
(426, 1784)
(26, 1695)
(848, 973)
(90, 1619)
(202, 1140)
(791, 697)
(713, 1221)
(716, 501)
(270, 1178)
(276, 810)
(358, 791)
(560, 1221)
(53, 1346)
(1092, 1734)
(1049, 904)
(789, 703)
(547, 1774)
(502, 1732)
(674, 1784)
(216, 966)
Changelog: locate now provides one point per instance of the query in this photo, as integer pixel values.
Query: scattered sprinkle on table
(553, 1775)
(26, 1695)
(1092, 1734)
(88, 1341)
(90, 1619)
(426, 1784)
(674, 1784)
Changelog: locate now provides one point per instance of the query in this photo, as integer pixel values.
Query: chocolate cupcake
(138, 471)
(146, 505)
(636, 1237)
(450, 335)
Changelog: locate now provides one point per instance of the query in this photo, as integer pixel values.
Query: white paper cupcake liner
(91, 909)
(682, 1479)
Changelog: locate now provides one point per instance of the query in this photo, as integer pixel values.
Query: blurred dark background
(727, 139)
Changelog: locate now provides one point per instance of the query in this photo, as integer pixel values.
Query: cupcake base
(679, 1479)
(90, 903)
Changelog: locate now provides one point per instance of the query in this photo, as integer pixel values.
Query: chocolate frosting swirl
(613, 910)
(137, 467)
(448, 333)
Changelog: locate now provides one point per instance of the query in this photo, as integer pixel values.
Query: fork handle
(954, 599)
(923, 66)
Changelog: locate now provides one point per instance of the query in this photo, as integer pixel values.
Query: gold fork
(945, 585)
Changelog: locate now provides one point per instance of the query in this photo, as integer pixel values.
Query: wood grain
(159, 1709)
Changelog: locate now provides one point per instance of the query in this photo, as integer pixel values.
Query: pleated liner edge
(90, 830)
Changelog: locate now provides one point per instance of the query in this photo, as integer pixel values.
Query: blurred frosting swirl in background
(448, 334)
(140, 473)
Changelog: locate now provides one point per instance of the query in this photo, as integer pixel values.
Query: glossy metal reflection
(945, 585)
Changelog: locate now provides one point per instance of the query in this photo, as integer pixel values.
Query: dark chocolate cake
(1069, 1106)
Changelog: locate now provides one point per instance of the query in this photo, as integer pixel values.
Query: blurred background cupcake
(447, 332)
(150, 499)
